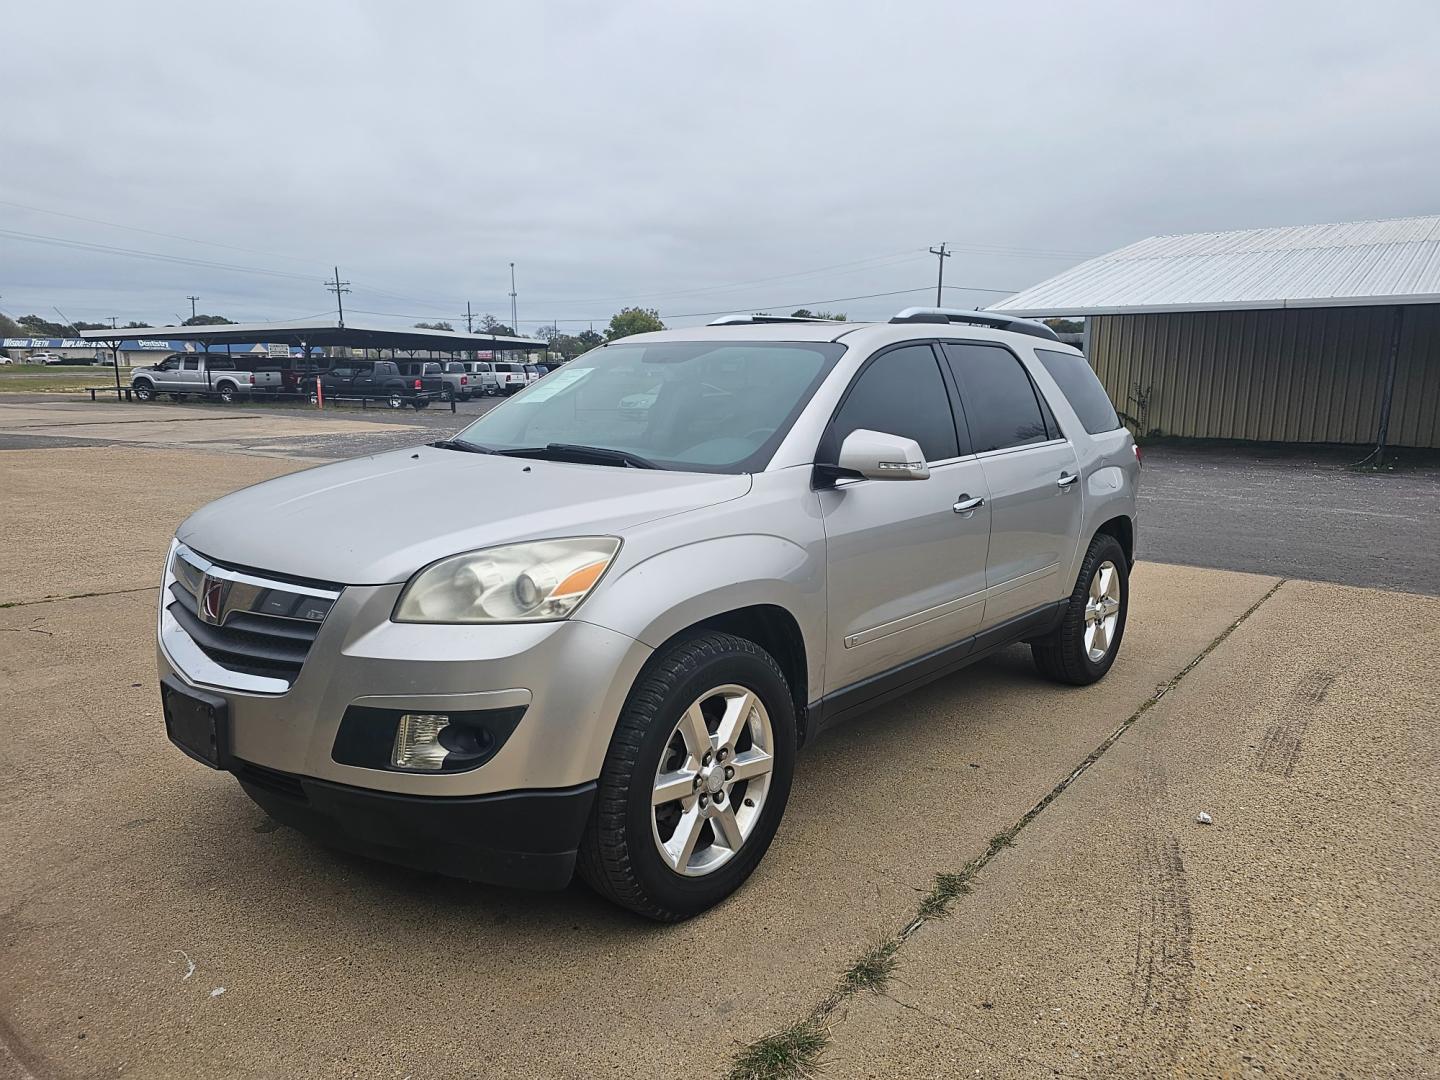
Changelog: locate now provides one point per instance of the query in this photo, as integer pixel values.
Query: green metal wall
(1294, 375)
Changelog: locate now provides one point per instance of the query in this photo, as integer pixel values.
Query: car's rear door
(905, 558)
(1031, 471)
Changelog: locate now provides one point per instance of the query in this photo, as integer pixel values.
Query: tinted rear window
(1082, 389)
(999, 399)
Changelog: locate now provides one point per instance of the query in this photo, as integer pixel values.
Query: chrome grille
(247, 623)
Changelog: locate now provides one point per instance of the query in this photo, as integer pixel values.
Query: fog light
(417, 742)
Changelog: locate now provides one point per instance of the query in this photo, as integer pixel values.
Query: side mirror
(878, 456)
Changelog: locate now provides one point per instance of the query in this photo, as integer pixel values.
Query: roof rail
(992, 319)
(743, 320)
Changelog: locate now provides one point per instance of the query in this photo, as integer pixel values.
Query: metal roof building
(316, 333)
(1310, 333)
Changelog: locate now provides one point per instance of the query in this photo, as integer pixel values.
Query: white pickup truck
(204, 376)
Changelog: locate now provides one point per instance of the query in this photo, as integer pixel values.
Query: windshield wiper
(456, 444)
(600, 455)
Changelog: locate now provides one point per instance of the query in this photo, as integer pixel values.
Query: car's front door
(905, 558)
(1033, 476)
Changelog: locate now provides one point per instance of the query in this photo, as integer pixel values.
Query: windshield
(703, 406)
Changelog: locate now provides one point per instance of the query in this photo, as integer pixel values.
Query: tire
(226, 393)
(620, 854)
(447, 393)
(1067, 654)
(144, 391)
(314, 399)
(396, 401)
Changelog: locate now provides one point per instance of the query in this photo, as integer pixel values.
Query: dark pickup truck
(380, 380)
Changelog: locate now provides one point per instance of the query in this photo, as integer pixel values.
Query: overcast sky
(695, 157)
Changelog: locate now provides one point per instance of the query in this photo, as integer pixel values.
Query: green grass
(872, 970)
(59, 379)
(792, 1052)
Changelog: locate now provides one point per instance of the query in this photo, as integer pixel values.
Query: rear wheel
(226, 393)
(397, 401)
(447, 392)
(696, 779)
(1082, 650)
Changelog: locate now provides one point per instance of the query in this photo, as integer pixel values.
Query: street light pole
(514, 317)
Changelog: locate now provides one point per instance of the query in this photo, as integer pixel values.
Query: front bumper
(570, 677)
(521, 838)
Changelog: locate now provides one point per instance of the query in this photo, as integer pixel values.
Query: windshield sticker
(556, 381)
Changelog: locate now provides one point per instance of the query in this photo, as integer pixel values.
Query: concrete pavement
(122, 863)
(1296, 936)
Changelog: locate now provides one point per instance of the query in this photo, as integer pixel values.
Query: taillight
(417, 384)
(252, 378)
(1138, 459)
(464, 380)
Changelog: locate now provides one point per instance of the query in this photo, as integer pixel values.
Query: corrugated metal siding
(1359, 262)
(1295, 375)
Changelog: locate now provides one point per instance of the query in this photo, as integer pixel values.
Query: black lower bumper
(522, 838)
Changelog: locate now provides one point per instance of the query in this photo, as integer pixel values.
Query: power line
(183, 260)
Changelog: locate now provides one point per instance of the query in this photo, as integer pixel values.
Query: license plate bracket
(197, 722)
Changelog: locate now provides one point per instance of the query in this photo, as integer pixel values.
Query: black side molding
(859, 697)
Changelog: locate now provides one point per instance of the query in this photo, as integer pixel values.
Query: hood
(379, 519)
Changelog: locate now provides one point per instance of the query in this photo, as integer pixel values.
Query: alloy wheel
(1102, 611)
(713, 778)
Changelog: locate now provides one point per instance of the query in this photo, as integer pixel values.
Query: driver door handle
(965, 504)
(1066, 479)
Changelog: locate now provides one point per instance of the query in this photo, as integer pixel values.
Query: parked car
(5, 358)
(456, 376)
(181, 376)
(46, 358)
(610, 660)
(511, 377)
(297, 372)
(454, 384)
(377, 379)
(482, 376)
(535, 372)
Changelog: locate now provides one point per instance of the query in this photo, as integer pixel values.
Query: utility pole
(469, 319)
(337, 287)
(193, 300)
(941, 255)
(514, 318)
(112, 322)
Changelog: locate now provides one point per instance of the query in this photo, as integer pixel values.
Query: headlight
(534, 582)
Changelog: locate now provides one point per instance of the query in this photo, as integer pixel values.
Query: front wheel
(1083, 649)
(144, 391)
(696, 779)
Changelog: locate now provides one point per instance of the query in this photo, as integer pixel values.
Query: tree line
(34, 326)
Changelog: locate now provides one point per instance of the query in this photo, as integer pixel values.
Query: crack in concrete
(76, 596)
(951, 886)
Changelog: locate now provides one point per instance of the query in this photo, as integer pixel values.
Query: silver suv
(684, 556)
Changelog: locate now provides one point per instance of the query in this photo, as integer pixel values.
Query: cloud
(661, 151)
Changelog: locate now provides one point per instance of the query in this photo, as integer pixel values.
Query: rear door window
(1082, 389)
(1001, 404)
(902, 393)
